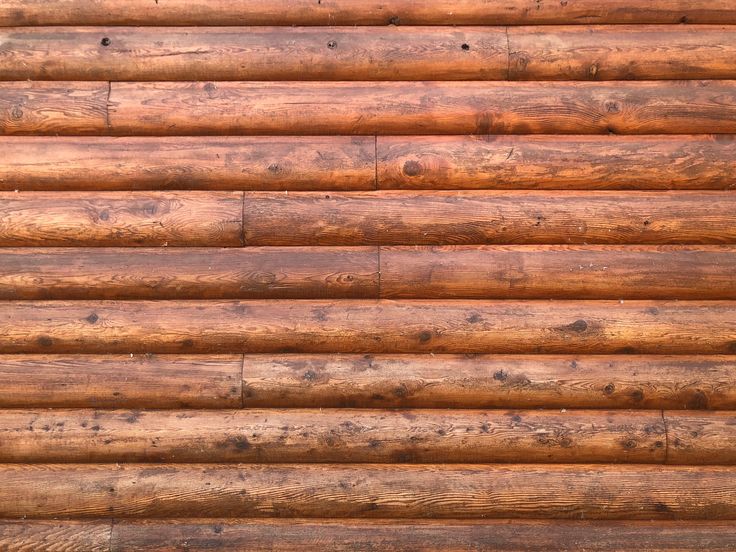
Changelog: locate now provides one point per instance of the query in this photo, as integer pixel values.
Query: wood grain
(120, 381)
(349, 326)
(361, 12)
(557, 491)
(489, 381)
(701, 438)
(387, 108)
(621, 52)
(49, 219)
(342, 435)
(556, 272)
(556, 162)
(189, 273)
(268, 53)
(55, 536)
(53, 108)
(221, 163)
(488, 217)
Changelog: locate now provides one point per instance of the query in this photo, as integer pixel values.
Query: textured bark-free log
(421, 108)
(557, 272)
(488, 217)
(222, 163)
(120, 381)
(347, 326)
(556, 162)
(112, 219)
(701, 438)
(90, 536)
(557, 491)
(189, 273)
(343, 435)
(489, 381)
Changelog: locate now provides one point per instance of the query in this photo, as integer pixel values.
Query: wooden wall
(367, 275)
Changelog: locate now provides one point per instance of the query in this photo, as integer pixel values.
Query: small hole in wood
(105, 41)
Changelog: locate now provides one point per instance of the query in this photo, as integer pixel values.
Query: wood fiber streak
(557, 491)
(55, 536)
(120, 381)
(701, 438)
(189, 273)
(557, 162)
(387, 108)
(49, 219)
(203, 163)
(349, 326)
(489, 381)
(488, 217)
(343, 435)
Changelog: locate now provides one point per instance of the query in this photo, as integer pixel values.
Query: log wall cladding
(367, 275)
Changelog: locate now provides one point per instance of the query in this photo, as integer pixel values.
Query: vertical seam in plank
(242, 380)
(242, 220)
(666, 438)
(378, 260)
(107, 106)
(375, 161)
(508, 54)
(109, 541)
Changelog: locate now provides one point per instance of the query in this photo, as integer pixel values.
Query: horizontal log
(556, 162)
(221, 163)
(348, 326)
(489, 381)
(192, 108)
(621, 53)
(556, 491)
(120, 381)
(53, 107)
(190, 273)
(90, 536)
(557, 272)
(488, 217)
(701, 438)
(361, 12)
(276, 53)
(112, 219)
(343, 435)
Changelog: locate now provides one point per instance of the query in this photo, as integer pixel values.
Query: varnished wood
(556, 162)
(386, 108)
(120, 381)
(348, 326)
(557, 272)
(189, 273)
(701, 438)
(557, 491)
(112, 219)
(489, 381)
(221, 163)
(343, 435)
(488, 217)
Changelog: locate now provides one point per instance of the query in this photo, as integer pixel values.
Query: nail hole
(332, 44)
(465, 47)
(105, 41)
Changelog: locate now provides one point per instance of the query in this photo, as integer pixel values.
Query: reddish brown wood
(701, 438)
(90, 536)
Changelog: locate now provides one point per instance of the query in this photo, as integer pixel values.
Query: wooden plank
(350, 326)
(360, 12)
(701, 438)
(113, 219)
(621, 52)
(21, 535)
(53, 107)
(556, 272)
(189, 273)
(557, 491)
(556, 162)
(489, 381)
(488, 217)
(385, 108)
(120, 381)
(217, 163)
(269, 53)
(342, 435)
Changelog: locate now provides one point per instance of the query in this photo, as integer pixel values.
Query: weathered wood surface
(488, 217)
(556, 162)
(552, 272)
(58, 536)
(221, 163)
(51, 219)
(350, 326)
(489, 381)
(368, 53)
(348, 435)
(120, 381)
(701, 438)
(557, 491)
(387, 108)
(191, 273)
(361, 12)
